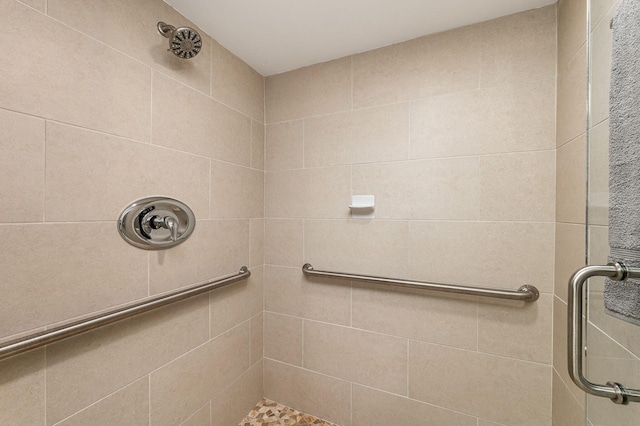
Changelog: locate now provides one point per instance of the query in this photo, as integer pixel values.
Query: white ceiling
(274, 36)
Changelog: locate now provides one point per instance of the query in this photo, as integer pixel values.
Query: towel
(622, 298)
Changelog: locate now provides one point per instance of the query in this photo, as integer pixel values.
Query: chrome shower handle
(167, 222)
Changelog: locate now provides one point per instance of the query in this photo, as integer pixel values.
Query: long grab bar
(36, 340)
(526, 293)
(615, 391)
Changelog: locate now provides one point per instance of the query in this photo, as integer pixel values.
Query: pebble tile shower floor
(270, 413)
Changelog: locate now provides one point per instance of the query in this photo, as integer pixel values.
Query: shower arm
(165, 30)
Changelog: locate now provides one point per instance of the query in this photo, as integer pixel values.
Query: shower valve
(156, 223)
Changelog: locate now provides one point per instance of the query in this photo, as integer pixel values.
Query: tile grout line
(351, 403)
(152, 85)
(149, 395)
(302, 345)
(408, 356)
(412, 339)
(46, 369)
(44, 175)
(410, 100)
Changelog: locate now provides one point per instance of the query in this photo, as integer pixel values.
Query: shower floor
(270, 413)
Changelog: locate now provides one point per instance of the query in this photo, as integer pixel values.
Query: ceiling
(274, 36)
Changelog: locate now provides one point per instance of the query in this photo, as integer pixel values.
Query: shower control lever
(167, 222)
(156, 223)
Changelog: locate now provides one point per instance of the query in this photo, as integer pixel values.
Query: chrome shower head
(184, 42)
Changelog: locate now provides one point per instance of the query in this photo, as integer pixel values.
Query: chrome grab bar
(615, 391)
(36, 340)
(526, 293)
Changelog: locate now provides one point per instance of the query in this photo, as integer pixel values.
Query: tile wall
(455, 135)
(95, 113)
(568, 400)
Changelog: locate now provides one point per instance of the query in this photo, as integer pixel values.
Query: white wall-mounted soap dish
(362, 206)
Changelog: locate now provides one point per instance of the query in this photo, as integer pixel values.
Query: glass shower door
(613, 346)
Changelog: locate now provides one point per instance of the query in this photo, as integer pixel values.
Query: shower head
(184, 42)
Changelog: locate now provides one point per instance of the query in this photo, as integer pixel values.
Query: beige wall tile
(572, 98)
(599, 9)
(57, 272)
(571, 185)
(482, 422)
(375, 408)
(623, 333)
(213, 130)
(451, 378)
(598, 245)
(216, 248)
(318, 89)
(22, 143)
(361, 136)
(517, 330)
(604, 350)
(358, 356)
(602, 412)
(309, 392)
(96, 87)
(257, 237)
(518, 186)
(36, 4)
(236, 191)
(518, 117)
(86, 368)
(358, 246)
(530, 246)
(437, 249)
(570, 255)
(257, 338)
(284, 242)
(257, 145)
(22, 389)
(287, 291)
(609, 361)
(285, 145)
(236, 84)
(401, 192)
(560, 349)
(440, 63)
(178, 389)
(421, 315)
(236, 303)
(202, 417)
(130, 27)
(283, 338)
(110, 181)
(235, 402)
(600, 69)
(318, 193)
(572, 28)
(519, 47)
(598, 174)
(128, 406)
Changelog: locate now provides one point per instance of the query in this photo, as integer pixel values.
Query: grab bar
(615, 391)
(526, 293)
(36, 340)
